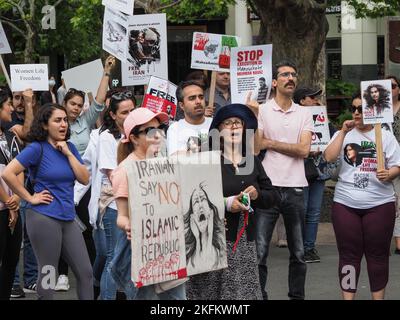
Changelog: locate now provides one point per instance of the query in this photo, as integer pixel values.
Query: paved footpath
(322, 280)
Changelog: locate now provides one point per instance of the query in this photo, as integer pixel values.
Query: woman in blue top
(54, 164)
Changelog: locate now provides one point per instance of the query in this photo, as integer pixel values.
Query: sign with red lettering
(212, 51)
(321, 135)
(251, 73)
(160, 97)
(173, 218)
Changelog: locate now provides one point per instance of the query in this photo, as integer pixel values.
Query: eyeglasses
(231, 123)
(151, 132)
(78, 92)
(288, 74)
(124, 95)
(394, 85)
(356, 108)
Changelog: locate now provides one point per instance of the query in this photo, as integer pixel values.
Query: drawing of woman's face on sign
(377, 101)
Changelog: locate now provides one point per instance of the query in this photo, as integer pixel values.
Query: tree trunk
(297, 30)
(29, 51)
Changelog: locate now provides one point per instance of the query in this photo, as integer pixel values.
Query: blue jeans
(313, 196)
(30, 264)
(149, 293)
(291, 206)
(108, 288)
(99, 238)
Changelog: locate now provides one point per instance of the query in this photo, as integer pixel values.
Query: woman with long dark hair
(121, 104)
(53, 164)
(10, 222)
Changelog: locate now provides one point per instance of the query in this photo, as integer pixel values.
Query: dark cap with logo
(302, 93)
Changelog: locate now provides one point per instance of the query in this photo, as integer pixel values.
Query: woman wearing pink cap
(144, 133)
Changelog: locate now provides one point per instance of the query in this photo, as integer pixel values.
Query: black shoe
(311, 256)
(17, 292)
(397, 251)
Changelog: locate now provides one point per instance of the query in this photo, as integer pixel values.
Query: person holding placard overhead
(363, 212)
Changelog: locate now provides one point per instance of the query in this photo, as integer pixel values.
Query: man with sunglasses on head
(190, 96)
(285, 131)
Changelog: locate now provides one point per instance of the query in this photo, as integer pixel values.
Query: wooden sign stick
(211, 97)
(3, 66)
(379, 147)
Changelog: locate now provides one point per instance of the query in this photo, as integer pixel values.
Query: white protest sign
(160, 97)
(125, 6)
(147, 53)
(377, 104)
(212, 51)
(166, 209)
(251, 72)
(85, 77)
(4, 45)
(25, 76)
(115, 36)
(321, 135)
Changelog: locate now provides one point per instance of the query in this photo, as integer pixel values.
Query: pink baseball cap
(141, 116)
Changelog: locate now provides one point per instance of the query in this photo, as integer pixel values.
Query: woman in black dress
(243, 178)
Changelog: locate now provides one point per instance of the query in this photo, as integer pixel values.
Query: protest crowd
(179, 200)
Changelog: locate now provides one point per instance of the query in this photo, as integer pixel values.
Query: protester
(195, 125)
(280, 119)
(10, 222)
(144, 134)
(54, 165)
(396, 131)
(222, 93)
(242, 173)
(61, 92)
(49, 96)
(121, 104)
(314, 193)
(363, 211)
(81, 125)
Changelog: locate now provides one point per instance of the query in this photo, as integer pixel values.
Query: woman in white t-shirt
(121, 104)
(363, 212)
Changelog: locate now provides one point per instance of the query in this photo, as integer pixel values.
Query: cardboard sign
(85, 77)
(377, 104)
(160, 97)
(321, 136)
(125, 6)
(212, 51)
(166, 209)
(115, 35)
(4, 45)
(25, 76)
(147, 53)
(251, 73)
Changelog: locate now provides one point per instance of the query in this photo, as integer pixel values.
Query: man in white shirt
(193, 129)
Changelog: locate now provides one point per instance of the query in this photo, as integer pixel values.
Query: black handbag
(311, 170)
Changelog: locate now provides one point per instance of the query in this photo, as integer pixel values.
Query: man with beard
(190, 96)
(285, 130)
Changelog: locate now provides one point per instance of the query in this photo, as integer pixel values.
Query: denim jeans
(30, 264)
(99, 238)
(291, 206)
(313, 195)
(108, 288)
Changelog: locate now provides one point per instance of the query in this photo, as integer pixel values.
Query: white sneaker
(62, 283)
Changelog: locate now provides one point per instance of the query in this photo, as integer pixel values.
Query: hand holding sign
(109, 64)
(383, 175)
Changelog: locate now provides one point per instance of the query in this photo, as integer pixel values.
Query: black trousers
(10, 245)
(83, 214)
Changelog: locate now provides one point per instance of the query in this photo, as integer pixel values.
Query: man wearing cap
(307, 96)
(285, 131)
(194, 127)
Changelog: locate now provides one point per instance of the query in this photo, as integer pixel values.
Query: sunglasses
(151, 132)
(356, 108)
(124, 95)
